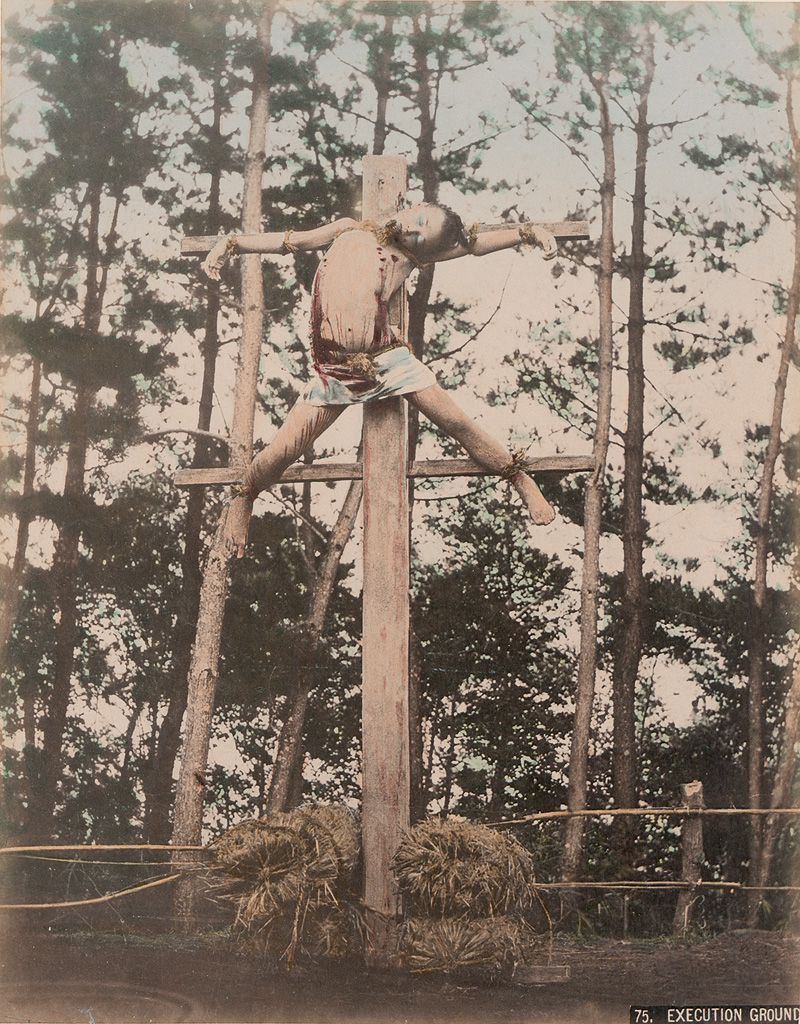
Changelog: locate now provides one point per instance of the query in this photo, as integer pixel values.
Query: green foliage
(94, 360)
(496, 661)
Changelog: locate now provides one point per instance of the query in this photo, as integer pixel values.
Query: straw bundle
(467, 886)
(451, 868)
(288, 877)
(491, 947)
(322, 932)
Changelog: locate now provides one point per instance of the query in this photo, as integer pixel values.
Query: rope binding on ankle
(517, 465)
(239, 490)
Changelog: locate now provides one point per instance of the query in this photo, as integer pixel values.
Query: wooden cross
(385, 668)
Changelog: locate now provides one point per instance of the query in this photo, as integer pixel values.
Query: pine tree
(95, 157)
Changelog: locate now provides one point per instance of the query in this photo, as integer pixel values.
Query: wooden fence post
(691, 854)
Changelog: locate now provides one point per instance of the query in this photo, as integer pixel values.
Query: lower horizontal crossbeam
(324, 472)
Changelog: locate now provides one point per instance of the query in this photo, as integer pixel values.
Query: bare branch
(572, 149)
(475, 334)
(207, 434)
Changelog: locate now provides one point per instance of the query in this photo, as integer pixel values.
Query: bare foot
(540, 509)
(236, 526)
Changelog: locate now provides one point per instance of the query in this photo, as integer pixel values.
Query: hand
(547, 241)
(533, 234)
(216, 259)
(236, 526)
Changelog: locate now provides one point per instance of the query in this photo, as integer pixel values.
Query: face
(420, 228)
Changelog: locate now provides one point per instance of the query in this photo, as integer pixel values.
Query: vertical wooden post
(691, 854)
(385, 723)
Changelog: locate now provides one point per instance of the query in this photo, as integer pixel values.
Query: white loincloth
(397, 372)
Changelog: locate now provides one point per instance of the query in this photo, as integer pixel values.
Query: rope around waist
(364, 362)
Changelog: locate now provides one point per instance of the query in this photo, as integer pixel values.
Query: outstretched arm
(273, 242)
(506, 238)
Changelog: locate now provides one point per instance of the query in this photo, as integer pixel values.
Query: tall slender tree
(593, 502)
(634, 600)
(785, 65)
(201, 41)
(203, 674)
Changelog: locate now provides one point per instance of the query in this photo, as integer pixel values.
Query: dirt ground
(98, 979)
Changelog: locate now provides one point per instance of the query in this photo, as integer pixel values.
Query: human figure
(356, 356)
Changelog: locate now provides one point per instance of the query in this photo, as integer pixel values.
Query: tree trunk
(158, 784)
(383, 81)
(64, 569)
(12, 598)
(416, 749)
(286, 779)
(496, 807)
(203, 672)
(593, 506)
(13, 593)
(759, 613)
(417, 314)
(691, 855)
(447, 788)
(426, 166)
(288, 757)
(629, 646)
(781, 792)
(433, 732)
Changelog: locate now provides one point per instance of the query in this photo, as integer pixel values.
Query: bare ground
(95, 978)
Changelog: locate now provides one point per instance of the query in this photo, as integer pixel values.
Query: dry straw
(288, 876)
(467, 887)
(452, 868)
(491, 947)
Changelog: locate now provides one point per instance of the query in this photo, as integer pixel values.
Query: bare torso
(356, 278)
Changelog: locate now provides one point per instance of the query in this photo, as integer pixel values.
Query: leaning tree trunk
(632, 610)
(203, 672)
(759, 613)
(286, 778)
(289, 754)
(572, 854)
(158, 784)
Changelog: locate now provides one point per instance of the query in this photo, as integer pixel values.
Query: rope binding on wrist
(527, 234)
(286, 245)
(232, 246)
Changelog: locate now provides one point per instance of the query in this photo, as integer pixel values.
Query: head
(427, 228)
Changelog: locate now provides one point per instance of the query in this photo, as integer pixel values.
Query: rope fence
(99, 846)
(40, 853)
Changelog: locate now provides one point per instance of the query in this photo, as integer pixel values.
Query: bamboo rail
(94, 899)
(684, 812)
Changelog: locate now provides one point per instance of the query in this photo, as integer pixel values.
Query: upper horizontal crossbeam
(564, 231)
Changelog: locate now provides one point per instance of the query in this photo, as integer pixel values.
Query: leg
(442, 410)
(300, 429)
